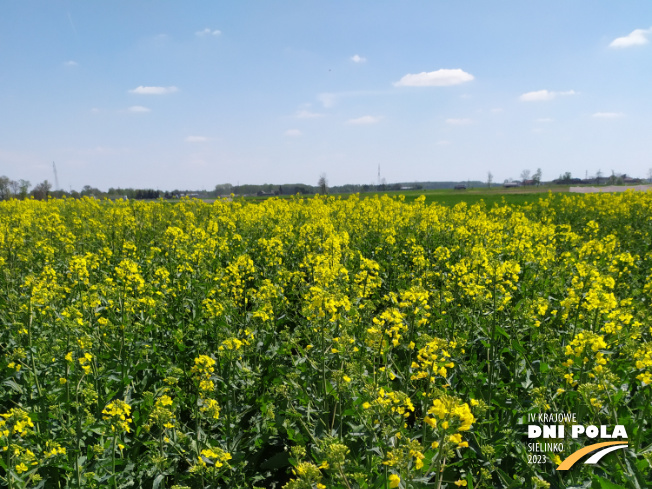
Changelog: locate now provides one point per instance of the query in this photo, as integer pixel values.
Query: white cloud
(459, 122)
(608, 115)
(537, 96)
(306, 114)
(497, 110)
(439, 78)
(327, 99)
(208, 32)
(443, 142)
(71, 63)
(358, 59)
(365, 119)
(544, 119)
(293, 133)
(196, 139)
(141, 90)
(637, 37)
(138, 108)
(543, 95)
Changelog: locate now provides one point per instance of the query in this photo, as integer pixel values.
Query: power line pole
(56, 178)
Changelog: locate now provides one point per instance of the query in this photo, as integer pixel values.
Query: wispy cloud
(294, 133)
(365, 119)
(608, 115)
(138, 108)
(306, 114)
(637, 37)
(443, 142)
(544, 119)
(439, 78)
(196, 139)
(71, 64)
(208, 32)
(459, 122)
(141, 90)
(358, 59)
(327, 99)
(543, 95)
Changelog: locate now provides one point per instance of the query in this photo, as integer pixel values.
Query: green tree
(323, 184)
(42, 190)
(537, 177)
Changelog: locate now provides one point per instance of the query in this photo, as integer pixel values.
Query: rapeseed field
(322, 343)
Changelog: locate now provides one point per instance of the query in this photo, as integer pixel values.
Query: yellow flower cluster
(215, 456)
(162, 414)
(210, 407)
(449, 416)
(16, 421)
(203, 370)
(393, 402)
(583, 352)
(390, 325)
(407, 456)
(433, 359)
(234, 344)
(117, 414)
(53, 449)
(307, 475)
(643, 358)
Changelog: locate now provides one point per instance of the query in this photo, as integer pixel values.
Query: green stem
(490, 352)
(346, 481)
(8, 457)
(113, 476)
(647, 403)
(78, 433)
(323, 359)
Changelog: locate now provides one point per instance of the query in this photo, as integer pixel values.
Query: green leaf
(502, 332)
(602, 483)
(469, 480)
(13, 385)
(280, 460)
(157, 481)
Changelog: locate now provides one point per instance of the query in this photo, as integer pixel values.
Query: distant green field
(496, 195)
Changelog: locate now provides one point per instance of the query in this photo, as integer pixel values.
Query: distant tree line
(13, 189)
(21, 189)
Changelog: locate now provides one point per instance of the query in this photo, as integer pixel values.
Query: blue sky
(171, 94)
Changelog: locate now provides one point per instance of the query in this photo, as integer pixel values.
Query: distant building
(511, 184)
(627, 179)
